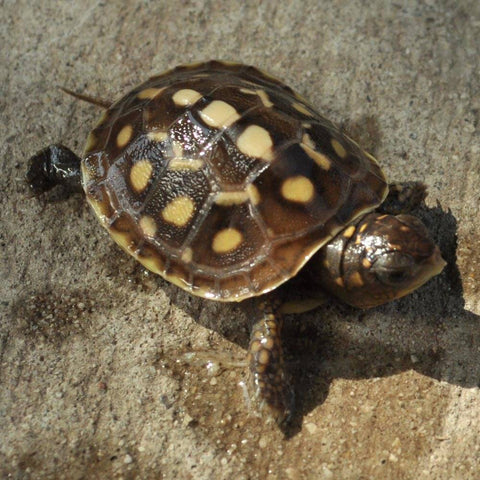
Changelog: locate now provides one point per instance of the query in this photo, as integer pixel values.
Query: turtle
(225, 182)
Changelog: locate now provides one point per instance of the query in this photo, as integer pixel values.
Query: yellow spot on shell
(298, 189)
(154, 264)
(140, 175)
(339, 148)
(302, 109)
(91, 142)
(349, 232)
(149, 93)
(179, 211)
(255, 141)
(185, 164)
(321, 160)
(363, 227)
(100, 209)
(187, 255)
(177, 149)
(219, 114)
(227, 240)
(254, 194)
(366, 263)
(148, 226)
(231, 198)
(339, 281)
(103, 117)
(124, 135)
(123, 240)
(186, 97)
(159, 136)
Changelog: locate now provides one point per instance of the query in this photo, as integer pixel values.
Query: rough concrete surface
(90, 386)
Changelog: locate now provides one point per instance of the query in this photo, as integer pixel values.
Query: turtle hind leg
(54, 165)
(272, 388)
(403, 197)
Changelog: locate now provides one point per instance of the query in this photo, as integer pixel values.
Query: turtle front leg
(271, 385)
(54, 165)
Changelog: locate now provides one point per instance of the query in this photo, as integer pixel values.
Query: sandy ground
(90, 382)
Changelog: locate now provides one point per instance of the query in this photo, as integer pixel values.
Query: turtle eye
(394, 268)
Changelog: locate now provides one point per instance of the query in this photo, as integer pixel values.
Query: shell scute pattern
(222, 180)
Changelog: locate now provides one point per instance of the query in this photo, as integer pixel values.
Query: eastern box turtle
(225, 182)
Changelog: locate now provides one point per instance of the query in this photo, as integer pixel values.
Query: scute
(223, 180)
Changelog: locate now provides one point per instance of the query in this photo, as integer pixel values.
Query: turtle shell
(222, 180)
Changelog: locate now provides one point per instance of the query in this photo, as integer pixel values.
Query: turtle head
(379, 259)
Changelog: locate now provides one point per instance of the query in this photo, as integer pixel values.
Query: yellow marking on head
(298, 189)
(307, 140)
(159, 136)
(254, 194)
(140, 175)
(366, 263)
(302, 109)
(219, 114)
(306, 125)
(363, 228)
(148, 226)
(124, 136)
(231, 198)
(321, 160)
(248, 91)
(186, 97)
(149, 93)
(187, 255)
(349, 231)
(179, 211)
(227, 240)
(91, 142)
(339, 282)
(405, 228)
(356, 280)
(185, 164)
(255, 141)
(339, 148)
(264, 98)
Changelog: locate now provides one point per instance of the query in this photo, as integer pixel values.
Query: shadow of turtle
(428, 331)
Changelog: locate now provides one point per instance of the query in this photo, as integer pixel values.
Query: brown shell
(222, 180)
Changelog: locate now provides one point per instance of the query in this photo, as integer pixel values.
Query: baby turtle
(225, 182)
